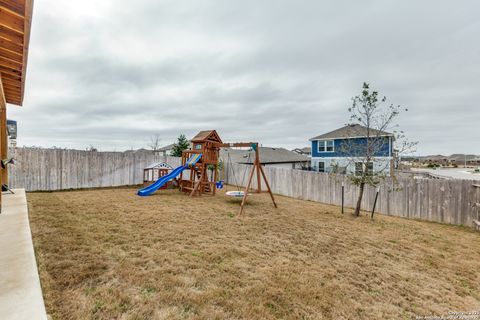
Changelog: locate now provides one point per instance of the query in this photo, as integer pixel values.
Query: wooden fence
(38, 169)
(445, 201)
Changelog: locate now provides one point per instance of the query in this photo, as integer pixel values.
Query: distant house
(141, 150)
(166, 150)
(274, 157)
(329, 150)
(475, 161)
(305, 151)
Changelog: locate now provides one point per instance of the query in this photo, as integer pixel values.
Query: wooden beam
(11, 20)
(245, 194)
(12, 55)
(197, 185)
(13, 6)
(11, 80)
(11, 96)
(2, 96)
(236, 145)
(257, 163)
(11, 35)
(12, 91)
(15, 101)
(10, 84)
(10, 71)
(4, 143)
(10, 76)
(26, 44)
(268, 187)
(11, 64)
(15, 47)
(3, 132)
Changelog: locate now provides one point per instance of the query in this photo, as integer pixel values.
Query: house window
(370, 168)
(329, 145)
(321, 146)
(326, 146)
(321, 167)
(198, 146)
(359, 168)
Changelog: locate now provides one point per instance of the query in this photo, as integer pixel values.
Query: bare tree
(154, 143)
(368, 145)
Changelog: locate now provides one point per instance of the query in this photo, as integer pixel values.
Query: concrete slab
(20, 291)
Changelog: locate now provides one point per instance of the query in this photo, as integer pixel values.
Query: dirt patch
(109, 254)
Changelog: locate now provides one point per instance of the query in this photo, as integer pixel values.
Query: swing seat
(235, 194)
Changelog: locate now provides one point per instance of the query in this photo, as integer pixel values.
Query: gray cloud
(114, 73)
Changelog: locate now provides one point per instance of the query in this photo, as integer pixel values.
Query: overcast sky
(113, 73)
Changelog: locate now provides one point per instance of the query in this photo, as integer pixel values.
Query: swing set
(203, 178)
(229, 167)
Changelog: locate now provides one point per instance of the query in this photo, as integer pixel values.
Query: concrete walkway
(20, 291)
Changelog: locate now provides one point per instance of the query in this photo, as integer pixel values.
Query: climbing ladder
(198, 182)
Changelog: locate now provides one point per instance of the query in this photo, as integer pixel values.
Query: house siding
(381, 164)
(341, 158)
(339, 149)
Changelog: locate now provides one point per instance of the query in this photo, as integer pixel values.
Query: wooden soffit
(15, 24)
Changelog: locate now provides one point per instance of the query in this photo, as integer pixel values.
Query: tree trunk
(359, 200)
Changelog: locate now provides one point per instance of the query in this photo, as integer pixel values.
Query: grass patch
(109, 254)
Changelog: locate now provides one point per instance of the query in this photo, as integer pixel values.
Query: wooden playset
(200, 168)
(203, 175)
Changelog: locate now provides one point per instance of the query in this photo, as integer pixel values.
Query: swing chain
(230, 167)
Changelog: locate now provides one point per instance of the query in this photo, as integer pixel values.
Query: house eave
(319, 138)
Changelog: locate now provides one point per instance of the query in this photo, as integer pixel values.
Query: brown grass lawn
(109, 254)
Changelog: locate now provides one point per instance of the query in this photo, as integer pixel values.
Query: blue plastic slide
(175, 172)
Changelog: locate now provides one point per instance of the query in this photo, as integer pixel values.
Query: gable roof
(267, 155)
(207, 135)
(352, 131)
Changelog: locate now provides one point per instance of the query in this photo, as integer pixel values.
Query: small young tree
(181, 145)
(154, 143)
(371, 118)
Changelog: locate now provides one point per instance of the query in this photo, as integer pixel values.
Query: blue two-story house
(345, 149)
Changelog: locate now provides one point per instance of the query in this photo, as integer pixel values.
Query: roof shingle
(351, 131)
(267, 155)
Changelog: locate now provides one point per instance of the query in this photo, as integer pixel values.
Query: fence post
(343, 196)
(375, 201)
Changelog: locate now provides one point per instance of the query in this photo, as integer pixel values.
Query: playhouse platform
(20, 291)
